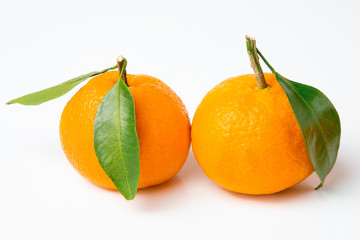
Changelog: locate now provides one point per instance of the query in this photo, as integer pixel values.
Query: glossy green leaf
(51, 93)
(318, 120)
(116, 141)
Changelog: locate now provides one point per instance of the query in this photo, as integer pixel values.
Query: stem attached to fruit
(255, 64)
(121, 62)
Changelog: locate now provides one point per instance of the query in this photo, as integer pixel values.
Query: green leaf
(51, 93)
(116, 141)
(318, 120)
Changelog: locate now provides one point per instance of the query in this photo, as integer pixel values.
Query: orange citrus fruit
(162, 125)
(248, 140)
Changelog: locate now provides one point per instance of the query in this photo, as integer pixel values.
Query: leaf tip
(129, 196)
(12, 101)
(320, 186)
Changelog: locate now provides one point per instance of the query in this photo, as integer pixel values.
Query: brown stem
(121, 62)
(255, 64)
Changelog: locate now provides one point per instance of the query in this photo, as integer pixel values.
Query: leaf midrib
(118, 126)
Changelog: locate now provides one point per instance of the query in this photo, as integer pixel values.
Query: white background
(192, 46)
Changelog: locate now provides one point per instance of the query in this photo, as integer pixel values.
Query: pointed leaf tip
(319, 186)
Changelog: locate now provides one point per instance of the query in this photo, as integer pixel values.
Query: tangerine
(162, 126)
(248, 140)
